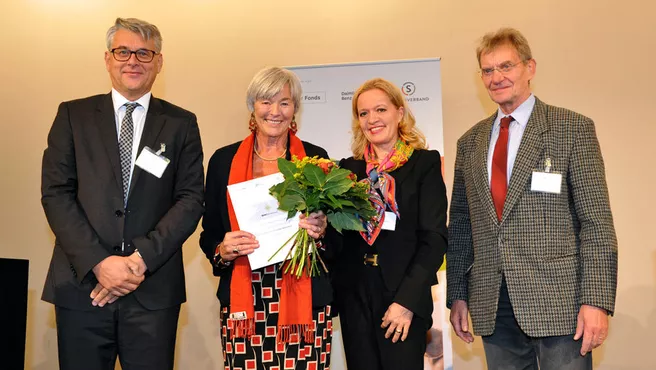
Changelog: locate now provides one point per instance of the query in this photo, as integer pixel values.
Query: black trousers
(365, 345)
(509, 348)
(142, 339)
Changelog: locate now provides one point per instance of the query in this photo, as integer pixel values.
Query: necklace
(268, 159)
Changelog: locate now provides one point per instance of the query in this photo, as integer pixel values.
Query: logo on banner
(408, 88)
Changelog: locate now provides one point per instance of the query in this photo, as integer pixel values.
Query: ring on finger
(236, 250)
(398, 331)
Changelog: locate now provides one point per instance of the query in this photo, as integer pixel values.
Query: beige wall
(594, 56)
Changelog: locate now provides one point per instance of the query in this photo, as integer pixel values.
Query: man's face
(132, 78)
(508, 84)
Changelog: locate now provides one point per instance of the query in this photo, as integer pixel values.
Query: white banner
(325, 120)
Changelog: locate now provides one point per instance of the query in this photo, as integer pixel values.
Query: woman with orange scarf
(268, 319)
(383, 275)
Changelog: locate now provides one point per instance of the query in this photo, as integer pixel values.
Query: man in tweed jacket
(538, 271)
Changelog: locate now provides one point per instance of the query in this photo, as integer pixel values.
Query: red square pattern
(329, 325)
(278, 284)
(227, 368)
(224, 331)
(321, 317)
(267, 356)
(256, 340)
(270, 331)
(240, 348)
(328, 310)
(325, 333)
(273, 307)
(280, 348)
(274, 368)
(229, 347)
(259, 316)
(271, 269)
(290, 363)
(311, 365)
(317, 342)
(267, 292)
(294, 338)
(323, 357)
(301, 354)
(256, 277)
(250, 365)
(328, 348)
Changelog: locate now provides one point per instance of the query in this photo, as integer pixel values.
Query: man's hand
(102, 296)
(397, 320)
(115, 275)
(592, 325)
(136, 264)
(459, 320)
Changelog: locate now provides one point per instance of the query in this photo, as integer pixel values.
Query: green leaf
(314, 175)
(344, 221)
(338, 187)
(287, 168)
(291, 202)
(278, 190)
(337, 174)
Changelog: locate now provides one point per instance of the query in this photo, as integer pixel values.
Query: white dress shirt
(515, 132)
(138, 120)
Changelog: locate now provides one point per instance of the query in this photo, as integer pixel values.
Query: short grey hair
(146, 30)
(268, 82)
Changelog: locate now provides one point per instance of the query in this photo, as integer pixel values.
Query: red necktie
(499, 183)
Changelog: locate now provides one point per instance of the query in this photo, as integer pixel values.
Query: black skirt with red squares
(262, 351)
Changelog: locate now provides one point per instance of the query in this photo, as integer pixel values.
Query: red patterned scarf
(382, 183)
(295, 310)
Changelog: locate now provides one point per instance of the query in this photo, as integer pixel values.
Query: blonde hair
(268, 82)
(408, 130)
(145, 29)
(504, 36)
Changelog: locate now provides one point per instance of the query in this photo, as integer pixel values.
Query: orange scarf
(295, 310)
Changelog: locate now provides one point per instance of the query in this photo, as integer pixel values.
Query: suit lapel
(153, 125)
(529, 151)
(479, 166)
(106, 120)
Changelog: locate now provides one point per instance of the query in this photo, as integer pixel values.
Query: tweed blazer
(556, 251)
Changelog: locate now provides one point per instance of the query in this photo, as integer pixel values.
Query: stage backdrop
(325, 120)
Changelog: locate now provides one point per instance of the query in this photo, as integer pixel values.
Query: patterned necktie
(125, 147)
(499, 183)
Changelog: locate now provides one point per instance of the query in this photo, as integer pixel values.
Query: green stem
(284, 244)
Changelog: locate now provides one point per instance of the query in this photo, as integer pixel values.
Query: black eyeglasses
(143, 55)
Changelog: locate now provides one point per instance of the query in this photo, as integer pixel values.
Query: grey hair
(146, 30)
(268, 82)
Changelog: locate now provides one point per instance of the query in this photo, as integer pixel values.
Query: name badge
(153, 162)
(390, 221)
(546, 182)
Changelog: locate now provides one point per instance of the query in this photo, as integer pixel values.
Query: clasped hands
(242, 243)
(117, 276)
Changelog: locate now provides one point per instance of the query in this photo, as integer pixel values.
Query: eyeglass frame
(113, 51)
(504, 68)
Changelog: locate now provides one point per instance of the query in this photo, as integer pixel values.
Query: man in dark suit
(120, 212)
(532, 249)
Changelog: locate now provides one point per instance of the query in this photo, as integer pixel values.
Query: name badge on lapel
(547, 181)
(390, 221)
(153, 162)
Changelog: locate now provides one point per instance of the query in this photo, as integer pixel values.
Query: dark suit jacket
(216, 222)
(410, 256)
(557, 251)
(82, 195)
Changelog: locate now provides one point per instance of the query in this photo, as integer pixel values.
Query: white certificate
(257, 212)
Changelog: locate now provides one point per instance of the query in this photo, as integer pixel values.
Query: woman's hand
(237, 243)
(397, 320)
(315, 224)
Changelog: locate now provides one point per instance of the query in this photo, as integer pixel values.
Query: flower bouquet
(318, 184)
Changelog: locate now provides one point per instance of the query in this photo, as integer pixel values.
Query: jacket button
(119, 213)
